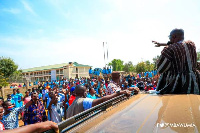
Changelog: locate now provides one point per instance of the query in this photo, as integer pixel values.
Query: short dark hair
(4, 103)
(178, 32)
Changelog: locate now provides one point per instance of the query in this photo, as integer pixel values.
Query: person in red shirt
(148, 87)
(72, 98)
(1, 116)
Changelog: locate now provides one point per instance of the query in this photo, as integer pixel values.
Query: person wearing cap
(177, 66)
(72, 97)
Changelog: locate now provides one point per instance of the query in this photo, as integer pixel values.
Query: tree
(3, 81)
(198, 56)
(7, 67)
(155, 59)
(117, 64)
(140, 67)
(147, 65)
(128, 67)
(16, 76)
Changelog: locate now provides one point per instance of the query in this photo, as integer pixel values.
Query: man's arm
(159, 44)
(35, 128)
(135, 89)
(49, 107)
(105, 98)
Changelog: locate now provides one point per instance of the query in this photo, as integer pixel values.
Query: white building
(56, 72)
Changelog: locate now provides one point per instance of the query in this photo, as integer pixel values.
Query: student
(20, 97)
(14, 97)
(10, 117)
(1, 101)
(9, 98)
(55, 109)
(44, 91)
(26, 98)
(35, 111)
(1, 116)
(91, 93)
(100, 93)
(72, 97)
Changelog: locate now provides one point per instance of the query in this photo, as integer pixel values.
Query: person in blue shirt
(103, 71)
(20, 97)
(29, 83)
(90, 70)
(106, 71)
(91, 93)
(9, 98)
(14, 97)
(110, 70)
(39, 94)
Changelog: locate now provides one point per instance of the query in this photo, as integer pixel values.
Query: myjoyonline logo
(175, 125)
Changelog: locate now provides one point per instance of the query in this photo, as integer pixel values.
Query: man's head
(27, 93)
(92, 91)
(14, 91)
(7, 105)
(176, 35)
(116, 76)
(9, 96)
(80, 91)
(1, 101)
(34, 96)
(18, 91)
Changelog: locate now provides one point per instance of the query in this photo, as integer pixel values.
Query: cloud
(28, 7)
(12, 10)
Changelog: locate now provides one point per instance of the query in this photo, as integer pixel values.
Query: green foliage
(7, 67)
(3, 81)
(155, 59)
(145, 66)
(117, 64)
(198, 56)
(16, 76)
(140, 67)
(128, 67)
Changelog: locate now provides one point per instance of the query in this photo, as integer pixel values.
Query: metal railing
(76, 120)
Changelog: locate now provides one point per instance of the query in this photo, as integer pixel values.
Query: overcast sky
(46, 32)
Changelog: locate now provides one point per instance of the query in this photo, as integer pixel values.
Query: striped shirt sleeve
(163, 64)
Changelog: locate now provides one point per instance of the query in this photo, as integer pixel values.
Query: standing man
(35, 111)
(177, 66)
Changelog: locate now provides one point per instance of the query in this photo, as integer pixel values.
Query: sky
(45, 32)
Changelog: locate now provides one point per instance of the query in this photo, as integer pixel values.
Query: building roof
(80, 65)
(56, 66)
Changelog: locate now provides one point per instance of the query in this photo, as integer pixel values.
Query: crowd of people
(53, 100)
(59, 100)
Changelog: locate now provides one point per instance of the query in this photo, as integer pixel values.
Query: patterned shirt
(112, 88)
(10, 121)
(35, 113)
(177, 66)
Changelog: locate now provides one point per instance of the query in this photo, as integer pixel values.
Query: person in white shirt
(55, 109)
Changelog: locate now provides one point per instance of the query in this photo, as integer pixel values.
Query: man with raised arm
(177, 66)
